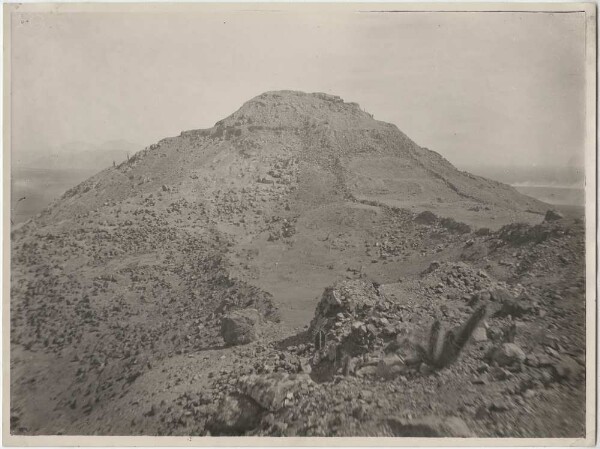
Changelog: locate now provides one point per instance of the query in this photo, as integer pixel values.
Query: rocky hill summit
(141, 297)
(306, 146)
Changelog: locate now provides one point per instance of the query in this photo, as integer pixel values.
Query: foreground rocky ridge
(357, 370)
(173, 293)
(522, 369)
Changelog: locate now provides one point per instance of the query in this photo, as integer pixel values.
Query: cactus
(320, 339)
(444, 346)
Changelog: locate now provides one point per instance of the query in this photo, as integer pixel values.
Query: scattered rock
(495, 334)
(499, 405)
(507, 354)
(532, 360)
(479, 335)
(499, 373)
(528, 394)
(482, 412)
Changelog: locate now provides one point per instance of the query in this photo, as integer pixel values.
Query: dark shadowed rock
(455, 226)
(239, 327)
(482, 232)
(235, 415)
(521, 233)
(552, 215)
(426, 217)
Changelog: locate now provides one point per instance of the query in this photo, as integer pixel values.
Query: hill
(119, 288)
(297, 137)
(289, 162)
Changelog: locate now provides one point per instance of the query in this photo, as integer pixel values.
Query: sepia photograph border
(331, 8)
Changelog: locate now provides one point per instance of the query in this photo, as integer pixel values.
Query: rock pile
(358, 331)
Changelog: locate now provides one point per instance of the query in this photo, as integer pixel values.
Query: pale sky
(479, 88)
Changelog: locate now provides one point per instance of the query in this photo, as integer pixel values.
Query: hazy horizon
(478, 88)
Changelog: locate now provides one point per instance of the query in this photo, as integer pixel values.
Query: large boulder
(277, 390)
(248, 296)
(507, 354)
(235, 415)
(240, 327)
